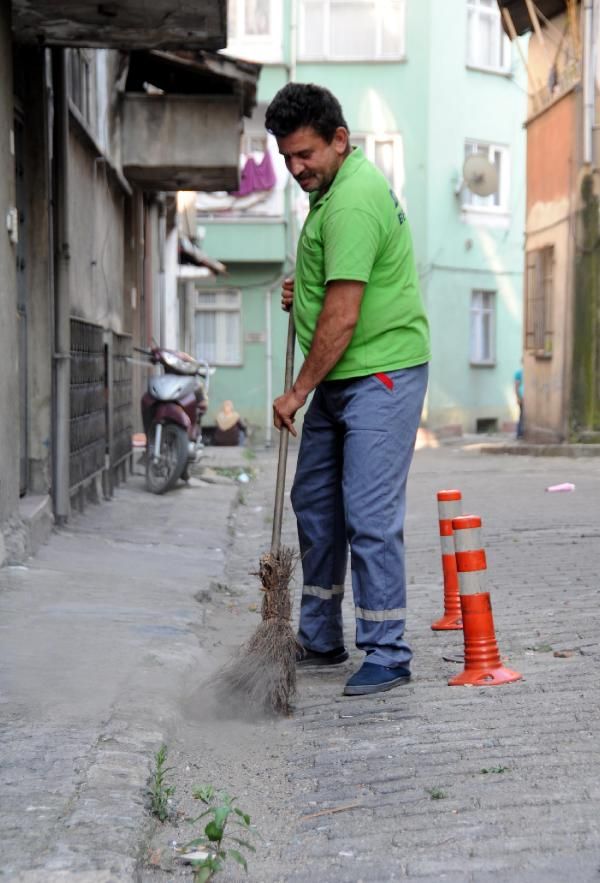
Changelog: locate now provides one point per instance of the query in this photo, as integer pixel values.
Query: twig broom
(263, 676)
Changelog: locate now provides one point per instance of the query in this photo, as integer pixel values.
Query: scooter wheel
(163, 472)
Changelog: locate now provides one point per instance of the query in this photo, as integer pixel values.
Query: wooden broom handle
(284, 437)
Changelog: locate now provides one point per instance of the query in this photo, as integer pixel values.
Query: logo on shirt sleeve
(398, 207)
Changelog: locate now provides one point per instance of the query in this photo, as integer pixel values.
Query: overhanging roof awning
(194, 73)
(182, 119)
(122, 24)
(520, 15)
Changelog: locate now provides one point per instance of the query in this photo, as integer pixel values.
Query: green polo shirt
(357, 231)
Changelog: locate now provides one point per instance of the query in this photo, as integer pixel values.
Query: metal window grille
(87, 428)
(121, 397)
(538, 300)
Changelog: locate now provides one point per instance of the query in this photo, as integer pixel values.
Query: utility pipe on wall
(269, 367)
(62, 329)
(588, 82)
(293, 39)
(162, 284)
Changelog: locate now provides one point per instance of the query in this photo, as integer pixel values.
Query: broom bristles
(262, 678)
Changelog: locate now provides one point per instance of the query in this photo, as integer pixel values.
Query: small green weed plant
(224, 815)
(436, 793)
(158, 790)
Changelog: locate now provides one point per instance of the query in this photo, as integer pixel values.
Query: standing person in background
(519, 395)
(364, 334)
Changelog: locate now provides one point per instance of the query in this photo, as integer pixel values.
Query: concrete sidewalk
(100, 633)
(107, 630)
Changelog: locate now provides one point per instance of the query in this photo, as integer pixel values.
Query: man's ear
(341, 140)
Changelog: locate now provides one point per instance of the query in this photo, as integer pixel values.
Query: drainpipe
(588, 82)
(62, 330)
(269, 367)
(293, 39)
(291, 236)
(162, 282)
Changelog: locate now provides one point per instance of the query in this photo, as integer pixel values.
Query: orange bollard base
(485, 677)
(447, 622)
(483, 667)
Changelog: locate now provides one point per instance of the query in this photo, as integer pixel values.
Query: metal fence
(121, 399)
(101, 423)
(87, 430)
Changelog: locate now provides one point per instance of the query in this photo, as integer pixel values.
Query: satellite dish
(479, 175)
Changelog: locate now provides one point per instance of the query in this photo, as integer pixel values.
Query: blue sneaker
(373, 678)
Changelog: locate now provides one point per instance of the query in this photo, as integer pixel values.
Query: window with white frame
(386, 152)
(351, 30)
(218, 327)
(498, 201)
(488, 47)
(483, 328)
(254, 29)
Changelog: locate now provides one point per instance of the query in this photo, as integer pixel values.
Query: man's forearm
(327, 349)
(333, 334)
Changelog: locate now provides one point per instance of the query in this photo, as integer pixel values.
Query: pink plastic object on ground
(560, 488)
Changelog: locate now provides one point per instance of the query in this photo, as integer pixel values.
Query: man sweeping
(362, 328)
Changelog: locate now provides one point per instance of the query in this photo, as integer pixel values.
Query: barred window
(539, 285)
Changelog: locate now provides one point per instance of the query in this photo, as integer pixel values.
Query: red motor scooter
(172, 411)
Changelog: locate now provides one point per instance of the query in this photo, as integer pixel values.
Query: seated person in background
(231, 429)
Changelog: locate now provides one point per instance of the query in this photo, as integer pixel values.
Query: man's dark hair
(304, 104)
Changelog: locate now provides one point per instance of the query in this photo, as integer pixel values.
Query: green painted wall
(461, 256)
(434, 102)
(246, 241)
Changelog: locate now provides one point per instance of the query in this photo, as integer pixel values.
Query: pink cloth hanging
(256, 176)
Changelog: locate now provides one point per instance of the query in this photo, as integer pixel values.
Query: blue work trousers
(357, 444)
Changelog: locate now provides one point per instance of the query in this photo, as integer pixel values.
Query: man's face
(310, 159)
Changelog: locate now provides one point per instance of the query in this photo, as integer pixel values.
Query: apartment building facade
(423, 85)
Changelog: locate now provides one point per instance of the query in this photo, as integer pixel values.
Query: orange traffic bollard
(449, 507)
(483, 666)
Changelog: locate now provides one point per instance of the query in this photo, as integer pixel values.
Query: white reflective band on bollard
(472, 582)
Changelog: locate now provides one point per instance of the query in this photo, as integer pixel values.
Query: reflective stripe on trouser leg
(317, 501)
(381, 426)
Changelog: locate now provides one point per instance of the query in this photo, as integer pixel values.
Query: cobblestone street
(426, 782)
